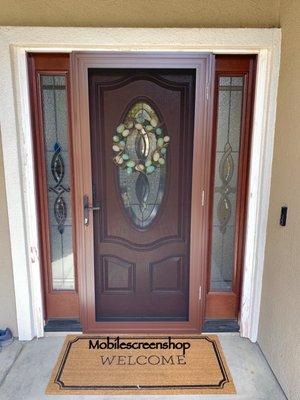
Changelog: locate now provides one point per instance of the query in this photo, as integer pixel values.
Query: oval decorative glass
(140, 150)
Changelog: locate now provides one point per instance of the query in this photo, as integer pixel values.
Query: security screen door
(141, 144)
(138, 152)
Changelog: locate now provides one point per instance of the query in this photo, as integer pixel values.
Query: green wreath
(141, 120)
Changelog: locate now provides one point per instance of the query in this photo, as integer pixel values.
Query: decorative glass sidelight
(55, 124)
(230, 93)
(140, 150)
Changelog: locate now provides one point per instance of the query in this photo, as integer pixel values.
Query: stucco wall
(279, 329)
(7, 300)
(141, 13)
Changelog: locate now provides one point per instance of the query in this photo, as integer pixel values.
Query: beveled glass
(140, 144)
(55, 124)
(230, 94)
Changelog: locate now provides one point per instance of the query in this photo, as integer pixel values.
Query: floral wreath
(141, 120)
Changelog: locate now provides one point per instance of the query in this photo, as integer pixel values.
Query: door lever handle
(94, 208)
(87, 208)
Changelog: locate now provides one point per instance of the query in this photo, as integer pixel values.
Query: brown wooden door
(142, 125)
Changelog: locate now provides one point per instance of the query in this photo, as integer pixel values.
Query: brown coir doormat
(137, 364)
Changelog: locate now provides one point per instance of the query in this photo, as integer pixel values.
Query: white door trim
(18, 152)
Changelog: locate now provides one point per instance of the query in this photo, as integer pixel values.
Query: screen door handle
(87, 208)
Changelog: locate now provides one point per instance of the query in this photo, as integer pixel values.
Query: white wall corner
(260, 185)
(21, 85)
(13, 169)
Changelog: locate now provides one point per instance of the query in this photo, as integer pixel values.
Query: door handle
(86, 210)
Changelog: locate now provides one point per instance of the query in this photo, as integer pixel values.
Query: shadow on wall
(7, 295)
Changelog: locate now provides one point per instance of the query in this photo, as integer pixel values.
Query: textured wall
(7, 300)
(279, 335)
(145, 13)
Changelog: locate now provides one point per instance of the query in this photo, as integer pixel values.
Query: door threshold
(63, 325)
(220, 325)
(73, 325)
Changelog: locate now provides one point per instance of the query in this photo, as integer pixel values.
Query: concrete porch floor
(30, 372)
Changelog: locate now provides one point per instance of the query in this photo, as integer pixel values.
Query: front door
(139, 154)
(142, 193)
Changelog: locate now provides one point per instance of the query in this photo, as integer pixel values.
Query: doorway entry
(149, 181)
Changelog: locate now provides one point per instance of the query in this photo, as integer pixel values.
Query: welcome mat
(137, 364)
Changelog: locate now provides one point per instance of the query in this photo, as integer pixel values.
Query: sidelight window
(56, 146)
(230, 98)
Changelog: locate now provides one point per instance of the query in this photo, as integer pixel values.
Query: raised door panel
(166, 275)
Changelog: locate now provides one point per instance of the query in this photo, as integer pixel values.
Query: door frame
(202, 64)
(18, 154)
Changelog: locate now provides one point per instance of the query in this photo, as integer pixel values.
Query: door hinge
(203, 198)
(200, 292)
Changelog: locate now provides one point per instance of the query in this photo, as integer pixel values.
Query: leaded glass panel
(230, 92)
(140, 149)
(55, 121)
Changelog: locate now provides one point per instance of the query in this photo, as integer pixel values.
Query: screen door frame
(203, 64)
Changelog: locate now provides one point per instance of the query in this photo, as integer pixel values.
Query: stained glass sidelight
(55, 114)
(140, 150)
(230, 91)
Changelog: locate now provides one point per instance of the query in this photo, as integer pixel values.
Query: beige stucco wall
(7, 299)
(279, 329)
(141, 13)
